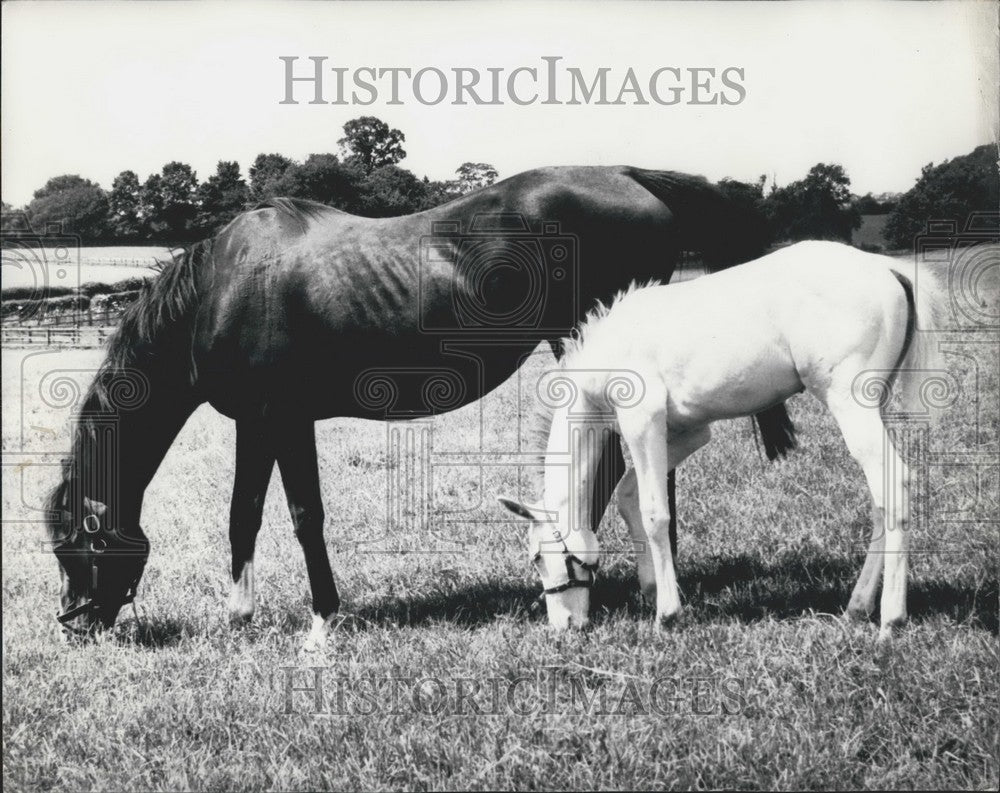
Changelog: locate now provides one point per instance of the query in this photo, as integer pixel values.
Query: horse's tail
(726, 231)
(920, 381)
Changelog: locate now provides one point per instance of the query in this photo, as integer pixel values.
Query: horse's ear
(526, 511)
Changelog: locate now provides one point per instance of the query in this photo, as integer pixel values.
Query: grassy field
(441, 675)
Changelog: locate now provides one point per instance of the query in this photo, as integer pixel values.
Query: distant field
(871, 232)
(72, 267)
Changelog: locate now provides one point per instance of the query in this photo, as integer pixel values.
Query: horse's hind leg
(254, 463)
(888, 480)
(296, 453)
(862, 602)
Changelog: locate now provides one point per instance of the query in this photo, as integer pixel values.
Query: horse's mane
(300, 210)
(152, 337)
(573, 344)
(540, 421)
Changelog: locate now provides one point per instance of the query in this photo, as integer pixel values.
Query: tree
(369, 143)
(79, 205)
(949, 191)
(58, 184)
(265, 171)
(389, 191)
(473, 176)
(323, 178)
(817, 207)
(178, 184)
(124, 206)
(151, 206)
(750, 194)
(437, 193)
(222, 197)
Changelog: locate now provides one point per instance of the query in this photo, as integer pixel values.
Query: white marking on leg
(241, 596)
(318, 633)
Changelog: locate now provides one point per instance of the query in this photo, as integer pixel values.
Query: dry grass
(768, 556)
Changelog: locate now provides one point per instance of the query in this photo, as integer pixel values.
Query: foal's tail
(776, 431)
(921, 385)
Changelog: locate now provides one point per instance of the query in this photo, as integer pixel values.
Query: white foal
(816, 316)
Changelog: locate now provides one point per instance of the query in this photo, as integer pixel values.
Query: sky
(95, 88)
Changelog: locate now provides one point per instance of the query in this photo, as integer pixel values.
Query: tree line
(172, 206)
(365, 178)
(822, 206)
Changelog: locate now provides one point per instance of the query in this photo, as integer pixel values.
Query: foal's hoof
(313, 644)
(238, 618)
(856, 613)
(667, 621)
(888, 632)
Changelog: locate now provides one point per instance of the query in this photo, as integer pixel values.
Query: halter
(97, 542)
(571, 581)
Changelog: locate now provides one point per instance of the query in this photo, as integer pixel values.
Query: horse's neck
(119, 450)
(576, 442)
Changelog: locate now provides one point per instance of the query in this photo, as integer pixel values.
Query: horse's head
(100, 564)
(565, 560)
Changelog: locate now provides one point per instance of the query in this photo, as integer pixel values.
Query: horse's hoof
(857, 613)
(317, 636)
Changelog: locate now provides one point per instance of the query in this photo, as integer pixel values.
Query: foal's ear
(526, 511)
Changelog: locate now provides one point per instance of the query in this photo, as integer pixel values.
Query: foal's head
(561, 558)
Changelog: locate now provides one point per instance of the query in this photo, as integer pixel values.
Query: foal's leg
(254, 463)
(610, 472)
(646, 435)
(888, 480)
(862, 602)
(296, 452)
(628, 507)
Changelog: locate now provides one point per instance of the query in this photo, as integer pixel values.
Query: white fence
(81, 336)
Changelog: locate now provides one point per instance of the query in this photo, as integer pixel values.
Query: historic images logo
(316, 83)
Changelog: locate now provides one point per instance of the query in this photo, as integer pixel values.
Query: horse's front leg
(296, 452)
(254, 463)
(628, 507)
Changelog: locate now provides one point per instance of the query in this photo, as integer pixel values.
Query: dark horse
(296, 312)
